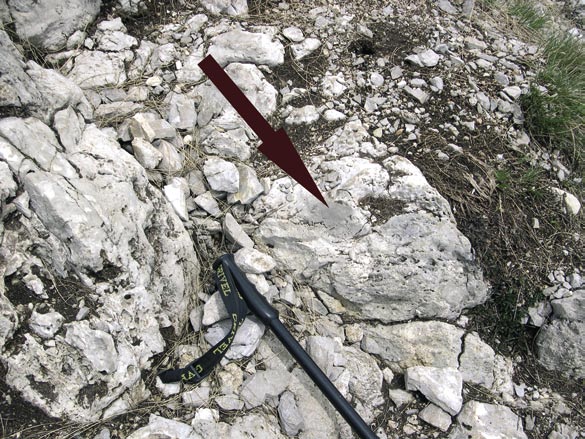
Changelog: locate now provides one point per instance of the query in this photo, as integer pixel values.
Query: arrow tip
(280, 150)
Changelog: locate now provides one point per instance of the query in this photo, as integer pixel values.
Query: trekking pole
(269, 316)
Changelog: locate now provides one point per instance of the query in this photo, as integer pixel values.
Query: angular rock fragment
(441, 386)
(246, 47)
(478, 420)
(221, 175)
(253, 261)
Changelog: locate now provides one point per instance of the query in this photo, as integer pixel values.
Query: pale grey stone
(197, 397)
(240, 46)
(115, 24)
(477, 361)
(132, 7)
(304, 115)
(253, 261)
(150, 127)
(97, 346)
(468, 6)
(570, 308)
(94, 69)
(69, 127)
(146, 154)
(92, 216)
(334, 116)
(400, 397)
(478, 420)
(161, 427)
(257, 426)
(289, 415)
(436, 417)
(230, 7)
(196, 22)
(376, 79)
(167, 389)
(221, 175)
(208, 203)
(475, 44)
(250, 187)
(214, 310)
(570, 202)
(229, 402)
(246, 340)
(354, 333)
(304, 48)
(333, 85)
(293, 33)
(446, 6)
(116, 41)
(319, 253)
(513, 91)
(190, 72)
(176, 193)
(436, 83)
(46, 325)
(235, 233)
(58, 92)
(8, 186)
(171, 161)
(322, 351)
(252, 83)
(406, 345)
(48, 23)
(110, 112)
(441, 386)
(426, 58)
(396, 72)
(196, 181)
(264, 384)
(560, 347)
(182, 114)
(417, 93)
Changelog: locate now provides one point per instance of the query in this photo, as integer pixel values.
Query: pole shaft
(321, 380)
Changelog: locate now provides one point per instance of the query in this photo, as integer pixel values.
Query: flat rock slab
(411, 262)
(246, 47)
(479, 421)
(441, 386)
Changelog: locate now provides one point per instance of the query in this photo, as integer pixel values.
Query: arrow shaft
(236, 97)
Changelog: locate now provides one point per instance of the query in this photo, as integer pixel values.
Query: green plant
(528, 15)
(555, 105)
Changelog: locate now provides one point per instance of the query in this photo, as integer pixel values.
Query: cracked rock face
(413, 262)
(92, 214)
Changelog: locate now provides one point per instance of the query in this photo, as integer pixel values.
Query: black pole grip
(269, 316)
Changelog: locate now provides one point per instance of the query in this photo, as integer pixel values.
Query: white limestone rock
(426, 58)
(246, 47)
(246, 340)
(97, 346)
(570, 308)
(289, 415)
(441, 386)
(412, 344)
(150, 126)
(400, 397)
(263, 385)
(477, 361)
(182, 114)
(253, 261)
(146, 154)
(46, 325)
(161, 427)
(214, 310)
(334, 116)
(102, 228)
(570, 202)
(560, 347)
(94, 69)
(207, 202)
(48, 23)
(250, 187)
(257, 426)
(479, 420)
(8, 186)
(235, 233)
(197, 397)
(171, 161)
(305, 48)
(230, 7)
(221, 175)
(176, 192)
(304, 115)
(252, 83)
(293, 33)
(416, 249)
(436, 417)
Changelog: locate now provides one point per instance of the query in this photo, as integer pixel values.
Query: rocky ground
(441, 290)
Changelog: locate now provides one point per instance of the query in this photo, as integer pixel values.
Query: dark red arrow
(276, 145)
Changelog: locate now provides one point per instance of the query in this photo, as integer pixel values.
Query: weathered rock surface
(413, 263)
(441, 386)
(240, 46)
(48, 23)
(478, 420)
(87, 223)
(560, 347)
